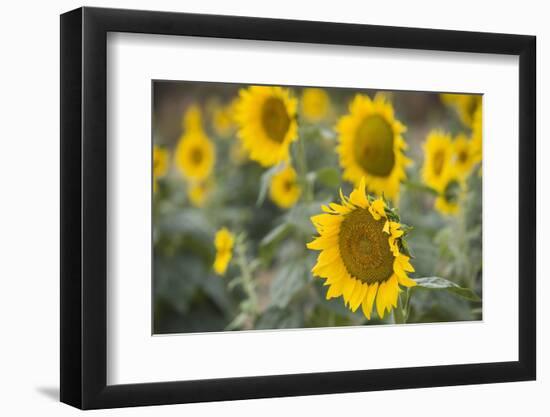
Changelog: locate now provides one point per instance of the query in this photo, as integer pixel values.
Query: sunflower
(363, 256)
(465, 104)
(266, 117)
(451, 192)
(371, 146)
(198, 192)
(284, 189)
(438, 154)
(160, 164)
(195, 154)
(463, 155)
(315, 104)
(223, 242)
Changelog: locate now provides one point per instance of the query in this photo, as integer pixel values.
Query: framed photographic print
(257, 208)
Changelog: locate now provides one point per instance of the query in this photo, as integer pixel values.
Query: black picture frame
(84, 207)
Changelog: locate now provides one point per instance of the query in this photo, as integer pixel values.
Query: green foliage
(327, 176)
(265, 180)
(289, 279)
(278, 318)
(437, 283)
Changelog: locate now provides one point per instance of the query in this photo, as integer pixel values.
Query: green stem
(302, 162)
(467, 266)
(399, 312)
(246, 276)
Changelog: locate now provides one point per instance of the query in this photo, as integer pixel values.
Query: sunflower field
(298, 207)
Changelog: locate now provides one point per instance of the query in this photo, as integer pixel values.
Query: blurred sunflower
(452, 189)
(223, 119)
(223, 242)
(361, 255)
(237, 153)
(477, 133)
(160, 164)
(192, 119)
(438, 153)
(198, 192)
(267, 123)
(315, 104)
(465, 104)
(371, 146)
(195, 154)
(284, 189)
(463, 155)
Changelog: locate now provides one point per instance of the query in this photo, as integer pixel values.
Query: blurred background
(267, 283)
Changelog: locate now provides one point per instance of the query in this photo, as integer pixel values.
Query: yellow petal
(395, 231)
(394, 247)
(330, 231)
(325, 220)
(405, 280)
(322, 270)
(347, 290)
(327, 257)
(381, 300)
(375, 215)
(327, 209)
(405, 264)
(392, 292)
(368, 301)
(357, 297)
(322, 242)
(377, 209)
(338, 272)
(342, 197)
(386, 228)
(338, 208)
(358, 196)
(335, 290)
(362, 188)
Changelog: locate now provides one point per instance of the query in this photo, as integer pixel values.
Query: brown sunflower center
(374, 146)
(463, 156)
(438, 160)
(196, 156)
(364, 247)
(288, 185)
(275, 119)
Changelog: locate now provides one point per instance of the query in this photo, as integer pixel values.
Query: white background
(29, 264)
(134, 356)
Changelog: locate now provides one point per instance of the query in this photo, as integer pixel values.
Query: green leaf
(276, 234)
(290, 279)
(214, 287)
(405, 249)
(234, 282)
(299, 216)
(277, 318)
(238, 322)
(437, 283)
(417, 186)
(265, 181)
(177, 280)
(329, 177)
(270, 242)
